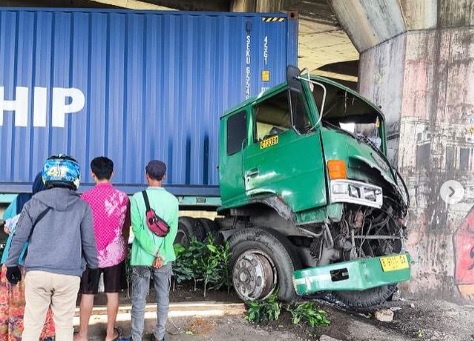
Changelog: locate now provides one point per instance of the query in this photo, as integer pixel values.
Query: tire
(198, 230)
(186, 230)
(208, 226)
(365, 298)
(262, 261)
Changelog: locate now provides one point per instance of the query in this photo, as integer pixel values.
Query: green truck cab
(309, 200)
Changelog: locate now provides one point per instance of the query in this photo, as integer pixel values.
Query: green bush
(263, 311)
(307, 313)
(215, 265)
(203, 262)
(188, 262)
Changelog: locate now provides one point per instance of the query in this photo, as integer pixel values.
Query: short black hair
(156, 169)
(102, 167)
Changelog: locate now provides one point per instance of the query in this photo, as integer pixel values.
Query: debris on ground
(420, 319)
(384, 315)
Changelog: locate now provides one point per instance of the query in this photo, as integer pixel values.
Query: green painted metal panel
(332, 212)
(359, 274)
(199, 201)
(293, 168)
(230, 166)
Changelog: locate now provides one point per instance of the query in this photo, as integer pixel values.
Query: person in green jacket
(152, 255)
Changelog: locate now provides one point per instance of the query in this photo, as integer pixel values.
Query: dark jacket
(62, 241)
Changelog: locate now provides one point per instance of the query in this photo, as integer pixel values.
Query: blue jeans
(140, 284)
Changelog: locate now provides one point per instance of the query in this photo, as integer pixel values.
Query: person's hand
(13, 274)
(5, 227)
(158, 262)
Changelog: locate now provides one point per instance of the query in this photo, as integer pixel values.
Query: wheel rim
(254, 275)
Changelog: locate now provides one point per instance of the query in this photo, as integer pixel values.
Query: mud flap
(359, 274)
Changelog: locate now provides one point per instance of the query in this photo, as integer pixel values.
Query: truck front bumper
(359, 274)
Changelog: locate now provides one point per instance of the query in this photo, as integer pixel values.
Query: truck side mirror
(292, 74)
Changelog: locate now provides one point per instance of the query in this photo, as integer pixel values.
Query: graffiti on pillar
(464, 256)
(467, 117)
(469, 130)
(438, 153)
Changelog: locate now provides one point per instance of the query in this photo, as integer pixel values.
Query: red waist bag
(156, 225)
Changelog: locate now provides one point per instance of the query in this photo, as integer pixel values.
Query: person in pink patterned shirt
(111, 214)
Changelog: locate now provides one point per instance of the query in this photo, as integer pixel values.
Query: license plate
(271, 141)
(392, 263)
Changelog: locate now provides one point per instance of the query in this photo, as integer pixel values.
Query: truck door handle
(253, 172)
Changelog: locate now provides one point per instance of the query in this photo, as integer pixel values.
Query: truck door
(233, 138)
(285, 155)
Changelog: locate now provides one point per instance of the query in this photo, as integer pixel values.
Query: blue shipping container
(130, 85)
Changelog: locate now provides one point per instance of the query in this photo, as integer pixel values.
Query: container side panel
(130, 85)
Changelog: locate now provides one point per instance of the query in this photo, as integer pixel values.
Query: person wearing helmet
(58, 227)
(12, 306)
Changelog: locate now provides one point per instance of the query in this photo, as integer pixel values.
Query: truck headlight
(339, 188)
(354, 191)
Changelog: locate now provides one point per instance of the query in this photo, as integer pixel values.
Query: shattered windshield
(345, 110)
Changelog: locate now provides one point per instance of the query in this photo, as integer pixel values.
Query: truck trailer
(296, 170)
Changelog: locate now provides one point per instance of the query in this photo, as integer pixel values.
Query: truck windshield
(349, 112)
(273, 116)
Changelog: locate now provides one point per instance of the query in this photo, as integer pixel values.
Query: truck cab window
(346, 111)
(300, 117)
(272, 117)
(236, 132)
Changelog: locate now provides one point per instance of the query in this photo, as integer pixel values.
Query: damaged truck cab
(309, 200)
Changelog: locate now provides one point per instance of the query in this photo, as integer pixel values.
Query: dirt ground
(412, 320)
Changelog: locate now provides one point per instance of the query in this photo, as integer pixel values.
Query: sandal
(116, 338)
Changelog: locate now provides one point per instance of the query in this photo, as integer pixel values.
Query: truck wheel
(262, 261)
(209, 226)
(365, 298)
(186, 230)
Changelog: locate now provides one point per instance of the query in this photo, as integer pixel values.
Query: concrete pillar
(417, 62)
